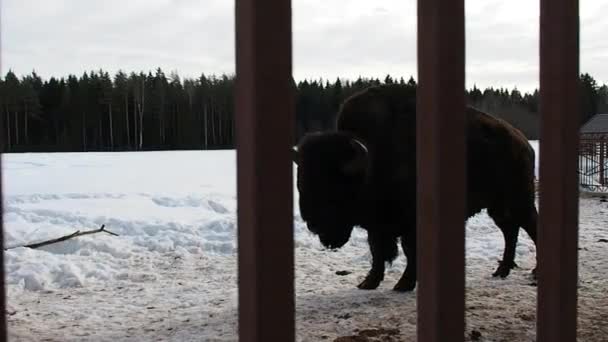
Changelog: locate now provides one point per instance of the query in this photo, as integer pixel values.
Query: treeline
(96, 112)
(152, 111)
(521, 110)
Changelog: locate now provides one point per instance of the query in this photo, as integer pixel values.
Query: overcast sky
(332, 39)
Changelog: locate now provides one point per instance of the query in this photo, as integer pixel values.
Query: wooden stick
(102, 229)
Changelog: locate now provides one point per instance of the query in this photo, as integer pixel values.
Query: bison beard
(364, 174)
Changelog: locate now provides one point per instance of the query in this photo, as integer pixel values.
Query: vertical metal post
(586, 161)
(587, 167)
(264, 136)
(581, 166)
(558, 222)
(441, 170)
(602, 161)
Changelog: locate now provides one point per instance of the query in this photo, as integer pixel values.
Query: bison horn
(359, 162)
(295, 155)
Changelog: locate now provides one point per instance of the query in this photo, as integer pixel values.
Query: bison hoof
(370, 283)
(503, 269)
(405, 285)
(502, 272)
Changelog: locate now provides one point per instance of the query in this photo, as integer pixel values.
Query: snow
(171, 273)
(534, 144)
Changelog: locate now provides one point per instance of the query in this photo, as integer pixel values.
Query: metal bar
(558, 222)
(588, 176)
(441, 170)
(264, 136)
(602, 161)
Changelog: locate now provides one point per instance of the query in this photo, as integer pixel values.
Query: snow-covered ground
(170, 275)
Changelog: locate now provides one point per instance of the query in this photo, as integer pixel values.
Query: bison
(363, 173)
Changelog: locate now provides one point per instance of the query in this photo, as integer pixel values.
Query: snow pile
(181, 202)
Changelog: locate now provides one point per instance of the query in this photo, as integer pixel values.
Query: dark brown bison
(364, 174)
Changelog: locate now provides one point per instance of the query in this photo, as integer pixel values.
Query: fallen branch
(78, 233)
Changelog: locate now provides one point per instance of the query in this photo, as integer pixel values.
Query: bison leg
(508, 259)
(407, 282)
(530, 226)
(382, 250)
(510, 232)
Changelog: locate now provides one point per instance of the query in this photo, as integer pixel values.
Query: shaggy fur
(364, 174)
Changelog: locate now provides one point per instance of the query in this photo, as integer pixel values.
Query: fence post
(264, 135)
(441, 170)
(558, 204)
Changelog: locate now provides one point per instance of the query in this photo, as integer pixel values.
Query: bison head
(331, 174)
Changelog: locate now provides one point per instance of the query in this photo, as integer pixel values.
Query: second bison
(364, 174)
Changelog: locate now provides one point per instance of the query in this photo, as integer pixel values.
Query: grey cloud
(331, 39)
(86, 35)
